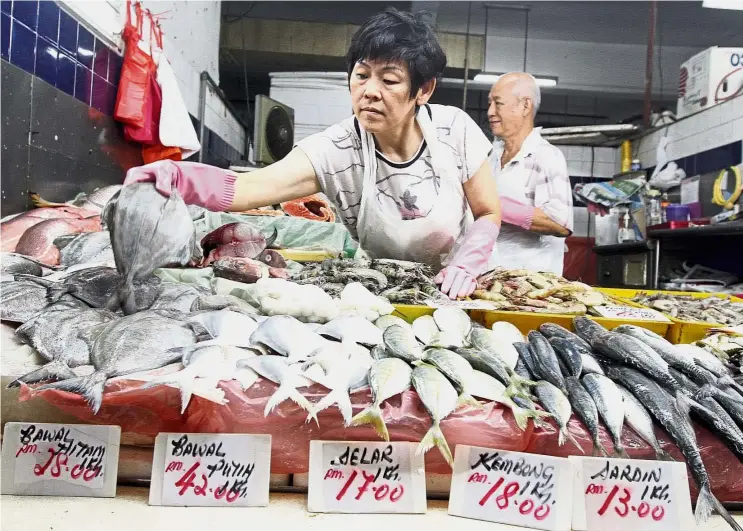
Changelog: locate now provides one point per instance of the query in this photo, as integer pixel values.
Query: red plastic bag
(137, 72)
(148, 132)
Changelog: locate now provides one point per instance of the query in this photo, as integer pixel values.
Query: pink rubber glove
(199, 184)
(515, 213)
(459, 278)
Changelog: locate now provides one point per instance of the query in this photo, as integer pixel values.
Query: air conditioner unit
(273, 130)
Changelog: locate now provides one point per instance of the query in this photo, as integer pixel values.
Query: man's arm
(482, 194)
(290, 178)
(542, 224)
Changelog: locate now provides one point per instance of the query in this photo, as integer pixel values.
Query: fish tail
(465, 399)
(662, 455)
(302, 402)
(705, 504)
(372, 415)
(565, 434)
(435, 437)
(598, 449)
(520, 415)
(515, 389)
(54, 370)
(522, 382)
(89, 387)
(620, 452)
(126, 296)
(719, 509)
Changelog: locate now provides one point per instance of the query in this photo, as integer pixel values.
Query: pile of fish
(398, 281)
(631, 375)
(712, 309)
(727, 345)
(541, 292)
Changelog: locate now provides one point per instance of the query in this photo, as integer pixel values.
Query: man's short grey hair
(526, 86)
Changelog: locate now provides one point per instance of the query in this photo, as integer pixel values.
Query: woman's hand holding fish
(459, 278)
(198, 184)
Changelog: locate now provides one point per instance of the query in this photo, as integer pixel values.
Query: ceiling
(680, 23)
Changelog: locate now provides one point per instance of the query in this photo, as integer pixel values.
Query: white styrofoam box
(701, 78)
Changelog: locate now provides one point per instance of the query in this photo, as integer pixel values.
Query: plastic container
(679, 331)
(677, 212)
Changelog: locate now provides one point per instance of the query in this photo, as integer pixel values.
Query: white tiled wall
(191, 43)
(583, 163)
(711, 128)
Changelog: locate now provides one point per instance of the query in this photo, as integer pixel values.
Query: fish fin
(89, 387)
(719, 509)
(126, 297)
(54, 370)
(522, 382)
(465, 399)
(372, 415)
(704, 392)
(435, 437)
(55, 291)
(683, 403)
(705, 503)
(662, 455)
(565, 433)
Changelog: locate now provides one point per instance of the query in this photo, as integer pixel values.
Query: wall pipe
(647, 109)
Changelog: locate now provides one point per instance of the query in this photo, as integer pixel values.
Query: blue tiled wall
(48, 43)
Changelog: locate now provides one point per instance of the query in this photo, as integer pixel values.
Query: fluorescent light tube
(724, 4)
(542, 81)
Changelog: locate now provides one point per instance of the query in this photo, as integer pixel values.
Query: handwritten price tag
(213, 470)
(620, 494)
(514, 488)
(628, 312)
(60, 459)
(366, 477)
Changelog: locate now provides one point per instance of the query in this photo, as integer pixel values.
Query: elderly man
(532, 179)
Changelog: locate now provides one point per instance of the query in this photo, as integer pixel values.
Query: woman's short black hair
(395, 35)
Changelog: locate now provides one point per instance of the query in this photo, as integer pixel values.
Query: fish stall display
(327, 350)
(712, 309)
(522, 290)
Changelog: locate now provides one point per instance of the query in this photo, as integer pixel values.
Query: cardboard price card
(620, 494)
(628, 312)
(527, 490)
(60, 459)
(213, 470)
(366, 477)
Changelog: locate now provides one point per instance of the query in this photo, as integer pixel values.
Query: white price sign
(527, 490)
(366, 477)
(628, 312)
(620, 494)
(212, 470)
(60, 459)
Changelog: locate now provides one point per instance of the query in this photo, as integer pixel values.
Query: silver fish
(387, 377)
(453, 320)
(545, 361)
(352, 328)
(588, 330)
(17, 264)
(205, 365)
(176, 296)
(386, 321)
(704, 359)
(97, 287)
(288, 337)
(457, 369)
(439, 398)
(425, 329)
(134, 343)
(610, 406)
(276, 369)
(556, 403)
(226, 327)
(21, 299)
(482, 385)
(638, 418)
(64, 338)
(570, 353)
(401, 343)
(222, 302)
(148, 231)
(585, 407)
(92, 248)
(550, 330)
(591, 365)
(343, 376)
(499, 344)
